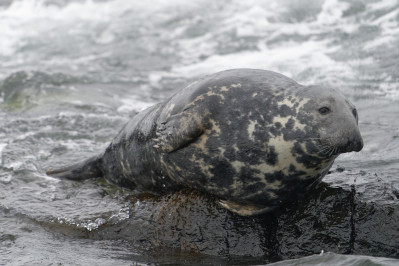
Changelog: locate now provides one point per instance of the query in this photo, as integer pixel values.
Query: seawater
(73, 73)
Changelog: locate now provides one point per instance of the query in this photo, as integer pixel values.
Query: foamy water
(176, 40)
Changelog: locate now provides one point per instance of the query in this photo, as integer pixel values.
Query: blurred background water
(72, 73)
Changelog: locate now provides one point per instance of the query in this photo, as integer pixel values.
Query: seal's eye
(354, 112)
(324, 110)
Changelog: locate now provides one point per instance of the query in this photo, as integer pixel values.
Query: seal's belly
(240, 169)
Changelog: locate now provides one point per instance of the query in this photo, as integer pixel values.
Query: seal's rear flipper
(244, 210)
(87, 169)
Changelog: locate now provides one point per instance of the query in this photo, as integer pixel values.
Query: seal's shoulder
(242, 78)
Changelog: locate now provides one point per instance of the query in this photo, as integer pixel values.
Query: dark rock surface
(330, 219)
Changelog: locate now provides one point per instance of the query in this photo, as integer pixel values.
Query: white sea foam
(84, 36)
(332, 12)
(2, 146)
(28, 18)
(132, 103)
(46, 177)
(287, 58)
(251, 21)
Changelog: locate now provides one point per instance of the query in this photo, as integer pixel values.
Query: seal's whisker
(313, 139)
(333, 150)
(328, 150)
(325, 145)
(325, 148)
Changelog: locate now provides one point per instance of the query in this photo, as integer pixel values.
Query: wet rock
(329, 219)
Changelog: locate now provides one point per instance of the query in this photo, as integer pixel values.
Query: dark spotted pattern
(251, 137)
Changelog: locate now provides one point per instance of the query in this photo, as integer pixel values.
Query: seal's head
(335, 121)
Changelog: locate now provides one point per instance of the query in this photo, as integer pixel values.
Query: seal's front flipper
(178, 131)
(243, 209)
(79, 171)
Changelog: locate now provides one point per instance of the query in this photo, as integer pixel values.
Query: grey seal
(254, 139)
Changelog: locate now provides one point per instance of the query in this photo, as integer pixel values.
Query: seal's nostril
(354, 144)
(349, 144)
